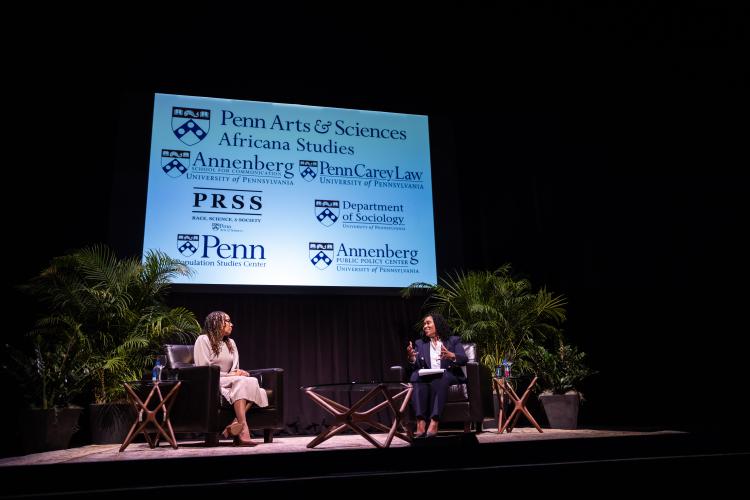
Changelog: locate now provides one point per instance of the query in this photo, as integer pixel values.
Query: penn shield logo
(174, 162)
(190, 125)
(308, 169)
(327, 211)
(321, 254)
(187, 244)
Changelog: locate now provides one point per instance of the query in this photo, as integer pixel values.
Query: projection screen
(257, 193)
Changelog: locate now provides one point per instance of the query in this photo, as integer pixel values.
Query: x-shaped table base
(503, 387)
(350, 418)
(141, 408)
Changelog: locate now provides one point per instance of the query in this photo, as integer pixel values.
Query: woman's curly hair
(441, 325)
(212, 327)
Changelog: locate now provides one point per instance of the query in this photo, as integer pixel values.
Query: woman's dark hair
(212, 327)
(441, 325)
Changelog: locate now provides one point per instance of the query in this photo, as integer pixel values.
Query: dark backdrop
(599, 151)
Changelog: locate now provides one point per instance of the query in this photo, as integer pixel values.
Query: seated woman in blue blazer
(438, 350)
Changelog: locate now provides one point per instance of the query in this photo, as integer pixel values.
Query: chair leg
(268, 435)
(212, 439)
(467, 426)
(478, 427)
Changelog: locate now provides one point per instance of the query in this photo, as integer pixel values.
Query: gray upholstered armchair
(200, 408)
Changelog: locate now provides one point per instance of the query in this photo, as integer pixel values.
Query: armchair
(464, 400)
(200, 407)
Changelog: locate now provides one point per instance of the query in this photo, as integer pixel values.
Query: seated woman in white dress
(215, 347)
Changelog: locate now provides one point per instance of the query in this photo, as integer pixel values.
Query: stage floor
(293, 444)
(520, 462)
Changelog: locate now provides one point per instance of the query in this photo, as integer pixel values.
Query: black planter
(111, 422)
(561, 410)
(46, 430)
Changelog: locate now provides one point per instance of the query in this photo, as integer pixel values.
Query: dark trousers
(430, 394)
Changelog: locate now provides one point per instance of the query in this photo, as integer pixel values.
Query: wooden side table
(163, 405)
(502, 387)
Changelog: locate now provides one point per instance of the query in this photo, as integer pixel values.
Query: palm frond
(110, 313)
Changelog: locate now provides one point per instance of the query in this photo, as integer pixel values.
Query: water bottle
(156, 372)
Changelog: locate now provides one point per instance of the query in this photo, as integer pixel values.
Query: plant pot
(561, 409)
(110, 422)
(46, 430)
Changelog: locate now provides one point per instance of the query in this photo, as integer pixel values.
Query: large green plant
(51, 367)
(560, 369)
(502, 314)
(115, 308)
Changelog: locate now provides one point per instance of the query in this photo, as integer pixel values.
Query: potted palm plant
(560, 372)
(117, 307)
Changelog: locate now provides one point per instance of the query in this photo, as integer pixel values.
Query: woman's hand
(240, 373)
(446, 354)
(411, 353)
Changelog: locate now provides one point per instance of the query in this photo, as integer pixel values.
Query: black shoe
(420, 436)
(430, 434)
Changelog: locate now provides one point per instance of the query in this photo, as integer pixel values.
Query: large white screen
(256, 193)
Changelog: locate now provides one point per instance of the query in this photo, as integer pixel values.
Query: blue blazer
(453, 344)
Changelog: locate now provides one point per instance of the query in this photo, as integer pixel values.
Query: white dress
(233, 387)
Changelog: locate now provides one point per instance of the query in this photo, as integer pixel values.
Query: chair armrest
(199, 398)
(271, 379)
(201, 378)
(473, 387)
